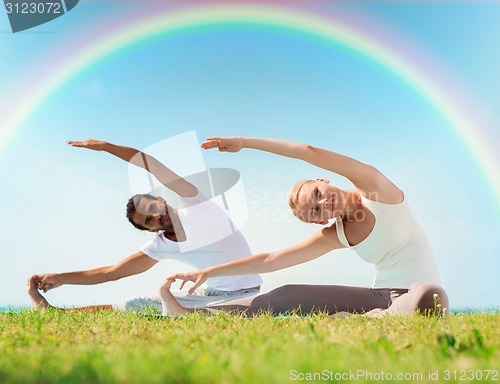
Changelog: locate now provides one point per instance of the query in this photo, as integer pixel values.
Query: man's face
(152, 214)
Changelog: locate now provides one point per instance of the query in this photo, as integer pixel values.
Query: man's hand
(47, 281)
(199, 277)
(224, 144)
(95, 145)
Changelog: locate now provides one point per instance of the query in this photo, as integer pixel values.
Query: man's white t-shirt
(211, 239)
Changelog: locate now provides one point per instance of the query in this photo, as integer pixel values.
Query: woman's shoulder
(384, 191)
(385, 199)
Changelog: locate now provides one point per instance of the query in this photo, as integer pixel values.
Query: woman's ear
(323, 181)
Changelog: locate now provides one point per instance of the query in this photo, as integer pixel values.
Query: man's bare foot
(170, 305)
(37, 300)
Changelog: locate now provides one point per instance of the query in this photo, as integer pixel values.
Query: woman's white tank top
(397, 246)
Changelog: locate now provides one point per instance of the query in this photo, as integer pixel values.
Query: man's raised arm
(134, 264)
(166, 176)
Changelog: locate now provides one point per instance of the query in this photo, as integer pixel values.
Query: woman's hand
(95, 145)
(47, 281)
(224, 144)
(198, 277)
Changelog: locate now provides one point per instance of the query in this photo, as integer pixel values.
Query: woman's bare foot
(343, 314)
(37, 300)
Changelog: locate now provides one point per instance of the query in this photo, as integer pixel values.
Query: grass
(111, 347)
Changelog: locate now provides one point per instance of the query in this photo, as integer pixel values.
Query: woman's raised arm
(365, 177)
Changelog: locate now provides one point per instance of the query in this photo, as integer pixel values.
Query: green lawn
(108, 347)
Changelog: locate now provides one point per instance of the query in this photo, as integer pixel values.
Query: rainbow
(170, 21)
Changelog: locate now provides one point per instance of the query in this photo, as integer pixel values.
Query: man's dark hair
(131, 208)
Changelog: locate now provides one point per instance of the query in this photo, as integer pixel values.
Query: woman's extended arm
(317, 245)
(164, 175)
(365, 177)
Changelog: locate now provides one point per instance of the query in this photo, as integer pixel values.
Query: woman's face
(319, 201)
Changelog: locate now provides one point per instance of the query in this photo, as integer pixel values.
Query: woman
(373, 219)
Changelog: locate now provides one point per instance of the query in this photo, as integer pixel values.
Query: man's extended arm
(134, 264)
(164, 175)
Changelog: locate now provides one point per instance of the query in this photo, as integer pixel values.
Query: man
(181, 233)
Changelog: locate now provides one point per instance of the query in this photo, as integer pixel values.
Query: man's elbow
(114, 273)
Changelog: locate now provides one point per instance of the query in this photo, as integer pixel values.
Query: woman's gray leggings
(422, 297)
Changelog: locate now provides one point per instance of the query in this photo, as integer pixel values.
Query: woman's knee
(432, 298)
(285, 291)
(275, 298)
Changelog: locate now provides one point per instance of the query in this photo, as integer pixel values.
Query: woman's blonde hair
(293, 198)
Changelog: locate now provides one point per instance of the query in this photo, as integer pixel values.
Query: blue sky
(64, 207)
